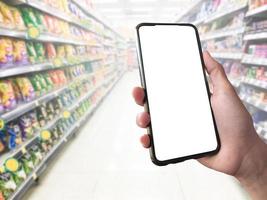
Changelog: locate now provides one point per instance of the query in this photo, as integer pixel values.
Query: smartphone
(177, 93)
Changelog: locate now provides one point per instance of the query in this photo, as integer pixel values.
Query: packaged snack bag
(1, 106)
(49, 82)
(34, 121)
(29, 17)
(20, 52)
(61, 53)
(26, 88)
(7, 184)
(7, 15)
(31, 52)
(36, 154)
(40, 20)
(27, 163)
(18, 21)
(6, 52)
(18, 95)
(19, 176)
(42, 115)
(50, 51)
(36, 85)
(3, 141)
(15, 128)
(40, 51)
(7, 95)
(26, 127)
(50, 23)
(42, 82)
(50, 110)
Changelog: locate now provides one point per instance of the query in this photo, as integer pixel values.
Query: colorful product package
(36, 154)
(7, 184)
(6, 13)
(49, 82)
(34, 121)
(38, 90)
(40, 20)
(26, 127)
(31, 52)
(18, 21)
(40, 51)
(50, 110)
(29, 17)
(42, 115)
(14, 134)
(26, 88)
(3, 141)
(19, 176)
(50, 51)
(7, 95)
(20, 52)
(6, 52)
(27, 163)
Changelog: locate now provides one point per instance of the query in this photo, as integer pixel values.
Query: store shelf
(262, 131)
(38, 170)
(257, 11)
(26, 107)
(235, 81)
(92, 14)
(44, 37)
(254, 102)
(256, 36)
(222, 33)
(225, 13)
(254, 82)
(14, 71)
(251, 59)
(190, 9)
(227, 55)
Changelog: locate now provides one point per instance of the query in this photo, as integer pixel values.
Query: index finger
(139, 95)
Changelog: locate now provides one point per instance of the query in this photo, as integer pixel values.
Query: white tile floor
(106, 162)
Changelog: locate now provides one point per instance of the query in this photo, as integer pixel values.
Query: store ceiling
(131, 12)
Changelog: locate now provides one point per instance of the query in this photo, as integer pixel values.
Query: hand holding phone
(172, 74)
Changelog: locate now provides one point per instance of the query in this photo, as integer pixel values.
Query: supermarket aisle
(105, 162)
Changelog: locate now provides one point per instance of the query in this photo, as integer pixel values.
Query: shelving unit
(106, 69)
(215, 27)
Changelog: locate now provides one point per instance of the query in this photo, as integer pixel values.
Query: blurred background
(67, 118)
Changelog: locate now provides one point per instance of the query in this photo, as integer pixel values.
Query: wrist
(252, 173)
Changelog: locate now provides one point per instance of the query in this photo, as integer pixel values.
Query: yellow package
(8, 20)
(19, 24)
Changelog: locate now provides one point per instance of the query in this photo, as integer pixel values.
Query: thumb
(215, 71)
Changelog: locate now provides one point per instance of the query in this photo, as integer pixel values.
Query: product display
(55, 70)
(235, 34)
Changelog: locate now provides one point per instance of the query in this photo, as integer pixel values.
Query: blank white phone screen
(181, 117)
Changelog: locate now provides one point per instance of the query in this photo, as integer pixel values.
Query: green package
(27, 163)
(40, 51)
(31, 52)
(29, 17)
(7, 184)
(49, 81)
(40, 20)
(19, 176)
(36, 85)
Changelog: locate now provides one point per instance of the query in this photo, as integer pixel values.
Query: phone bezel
(146, 105)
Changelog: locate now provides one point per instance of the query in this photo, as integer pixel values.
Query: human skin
(243, 154)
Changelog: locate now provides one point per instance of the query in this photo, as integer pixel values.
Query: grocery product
(25, 88)
(7, 95)
(7, 184)
(20, 52)
(18, 21)
(29, 17)
(31, 52)
(6, 52)
(50, 51)
(14, 134)
(34, 121)
(27, 162)
(40, 51)
(42, 115)
(7, 17)
(26, 126)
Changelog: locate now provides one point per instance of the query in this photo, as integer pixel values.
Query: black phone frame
(146, 105)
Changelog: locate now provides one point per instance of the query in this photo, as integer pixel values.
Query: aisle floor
(106, 162)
